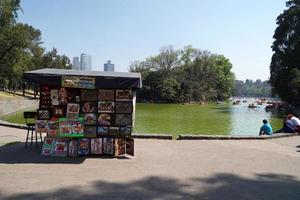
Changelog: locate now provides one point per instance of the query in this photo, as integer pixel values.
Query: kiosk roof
(51, 76)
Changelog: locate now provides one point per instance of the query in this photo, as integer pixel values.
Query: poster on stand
(119, 146)
(73, 108)
(48, 146)
(124, 107)
(89, 107)
(41, 126)
(88, 95)
(60, 147)
(96, 146)
(63, 96)
(54, 97)
(90, 119)
(58, 111)
(113, 130)
(123, 119)
(106, 106)
(130, 147)
(90, 131)
(43, 114)
(123, 95)
(78, 82)
(108, 146)
(106, 95)
(77, 126)
(73, 148)
(83, 146)
(105, 119)
(52, 128)
(65, 127)
(125, 130)
(102, 130)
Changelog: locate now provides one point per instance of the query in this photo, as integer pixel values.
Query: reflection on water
(211, 119)
(247, 121)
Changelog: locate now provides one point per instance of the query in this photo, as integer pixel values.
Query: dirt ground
(206, 169)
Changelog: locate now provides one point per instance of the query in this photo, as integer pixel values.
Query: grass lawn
(6, 95)
(16, 117)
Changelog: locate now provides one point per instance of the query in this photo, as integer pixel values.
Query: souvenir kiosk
(85, 112)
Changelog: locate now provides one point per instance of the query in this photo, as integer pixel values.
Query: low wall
(183, 137)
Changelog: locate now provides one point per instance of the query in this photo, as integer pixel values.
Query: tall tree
(285, 67)
(20, 47)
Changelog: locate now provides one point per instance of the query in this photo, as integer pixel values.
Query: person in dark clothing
(288, 126)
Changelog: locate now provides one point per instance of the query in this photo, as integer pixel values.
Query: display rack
(85, 113)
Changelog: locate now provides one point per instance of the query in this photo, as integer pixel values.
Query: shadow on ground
(15, 153)
(220, 186)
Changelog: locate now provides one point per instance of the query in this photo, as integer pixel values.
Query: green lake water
(210, 119)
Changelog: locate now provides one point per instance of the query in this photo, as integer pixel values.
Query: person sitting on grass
(296, 121)
(288, 126)
(266, 128)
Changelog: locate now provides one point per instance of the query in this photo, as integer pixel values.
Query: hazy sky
(128, 30)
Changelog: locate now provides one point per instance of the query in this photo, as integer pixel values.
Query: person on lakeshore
(266, 128)
(288, 125)
(296, 121)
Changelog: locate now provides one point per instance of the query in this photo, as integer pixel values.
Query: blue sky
(128, 30)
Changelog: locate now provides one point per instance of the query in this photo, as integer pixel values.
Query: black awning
(53, 77)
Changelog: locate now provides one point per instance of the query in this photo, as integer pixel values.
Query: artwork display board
(81, 122)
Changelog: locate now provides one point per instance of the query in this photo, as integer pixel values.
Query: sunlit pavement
(161, 169)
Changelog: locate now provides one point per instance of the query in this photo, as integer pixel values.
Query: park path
(161, 169)
(11, 105)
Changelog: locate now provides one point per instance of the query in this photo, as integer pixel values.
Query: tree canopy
(185, 75)
(250, 88)
(20, 47)
(285, 63)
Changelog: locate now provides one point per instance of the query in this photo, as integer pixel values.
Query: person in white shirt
(296, 121)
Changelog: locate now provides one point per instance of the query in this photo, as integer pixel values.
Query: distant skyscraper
(76, 63)
(109, 67)
(85, 62)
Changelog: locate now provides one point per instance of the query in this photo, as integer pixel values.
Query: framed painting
(73, 150)
(89, 107)
(113, 130)
(120, 146)
(106, 106)
(123, 119)
(90, 131)
(105, 119)
(83, 146)
(73, 108)
(90, 119)
(58, 111)
(43, 114)
(130, 147)
(106, 95)
(96, 146)
(123, 95)
(124, 107)
(41, 126)
(88, 95)
(102, 130)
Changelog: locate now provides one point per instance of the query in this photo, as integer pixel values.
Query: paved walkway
(161, 169)
(11, 105)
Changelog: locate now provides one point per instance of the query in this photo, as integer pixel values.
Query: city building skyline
(76, 63)
(109, 67)
(85, 62)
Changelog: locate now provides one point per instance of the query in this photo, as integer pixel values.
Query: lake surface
(210, 119)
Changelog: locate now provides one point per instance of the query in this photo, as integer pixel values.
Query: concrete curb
(182, 137)
(234, 137)
(12, 125)
(153, 136)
